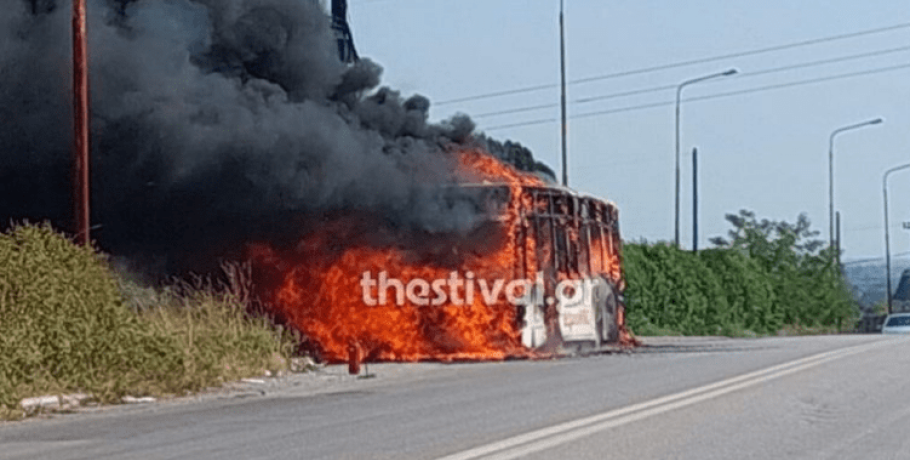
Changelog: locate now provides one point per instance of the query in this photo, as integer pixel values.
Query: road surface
(836, 397)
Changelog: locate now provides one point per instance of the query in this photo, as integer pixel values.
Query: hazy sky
(765, 151)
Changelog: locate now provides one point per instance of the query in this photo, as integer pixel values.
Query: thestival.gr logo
(462, 289)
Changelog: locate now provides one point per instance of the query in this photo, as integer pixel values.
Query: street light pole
(887, 235)
(679, 89)
(831, 171)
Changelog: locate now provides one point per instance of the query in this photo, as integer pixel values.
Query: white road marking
(545, 438)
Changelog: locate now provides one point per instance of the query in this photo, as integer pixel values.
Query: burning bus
(367, 225)
(569, 243)
(538, 273)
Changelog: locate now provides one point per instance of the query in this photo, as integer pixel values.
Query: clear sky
(765, 151)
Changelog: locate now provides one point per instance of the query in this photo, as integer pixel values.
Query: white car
(897, 323)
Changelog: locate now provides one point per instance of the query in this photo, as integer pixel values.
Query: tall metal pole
(887, 244)
(831, 190)
(695, 200)
(81, 176)
(837, 240)
(562, 65)
(831, 172)
(678, 100)
(676, 215)
(887, 235)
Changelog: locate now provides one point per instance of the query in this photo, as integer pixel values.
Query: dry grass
(218, 339)
(68, 324)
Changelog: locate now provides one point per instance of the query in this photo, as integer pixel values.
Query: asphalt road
(837, 397)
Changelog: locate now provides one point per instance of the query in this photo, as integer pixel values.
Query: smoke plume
(214, 122)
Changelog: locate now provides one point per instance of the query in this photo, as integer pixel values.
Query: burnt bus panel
(560, 236)
(577, 240)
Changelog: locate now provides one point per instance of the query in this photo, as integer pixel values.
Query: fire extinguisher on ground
(353, 358)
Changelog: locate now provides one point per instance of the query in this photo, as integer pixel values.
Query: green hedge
(727, 291)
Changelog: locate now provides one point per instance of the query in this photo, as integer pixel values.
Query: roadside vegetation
(70, 324)
(765, 278)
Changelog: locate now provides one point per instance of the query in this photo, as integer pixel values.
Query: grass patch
(68, 325)
(216, 337)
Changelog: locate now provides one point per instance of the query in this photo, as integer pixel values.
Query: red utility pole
(81, 128)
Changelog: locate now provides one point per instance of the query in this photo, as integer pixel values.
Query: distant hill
(868, 279)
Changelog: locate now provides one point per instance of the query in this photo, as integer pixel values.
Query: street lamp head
(876, 121)
(679, 89)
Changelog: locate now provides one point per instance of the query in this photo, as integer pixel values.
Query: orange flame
(319, 286)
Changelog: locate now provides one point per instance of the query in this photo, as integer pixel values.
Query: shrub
(767, 276)
(751, 299)
(66, 326)
(672, 289)
(63, 325)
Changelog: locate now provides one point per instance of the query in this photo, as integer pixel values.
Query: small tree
(808, 282)
(768, 239)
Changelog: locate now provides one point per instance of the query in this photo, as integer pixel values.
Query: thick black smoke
(214, 122)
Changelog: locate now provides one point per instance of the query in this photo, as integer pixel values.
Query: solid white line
(534, 441)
